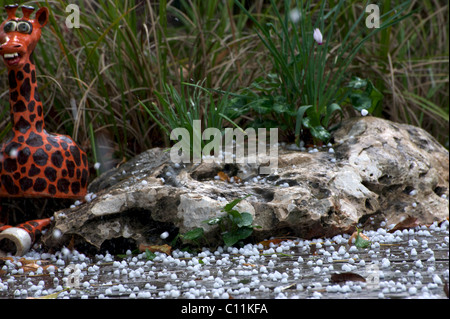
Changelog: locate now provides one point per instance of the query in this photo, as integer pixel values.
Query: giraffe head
(19, 36)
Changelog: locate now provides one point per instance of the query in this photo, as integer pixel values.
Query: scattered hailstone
(57, 233)
(164, 235)
(364, 112)
(97, 165)
(295, 15)
(89, 197)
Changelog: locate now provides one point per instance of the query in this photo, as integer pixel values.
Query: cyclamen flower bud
(318, 36)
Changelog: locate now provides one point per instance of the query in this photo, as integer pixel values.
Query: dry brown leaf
(237, 179)
(346, 276)
(223, 176)
(166, 249)
(408, 222)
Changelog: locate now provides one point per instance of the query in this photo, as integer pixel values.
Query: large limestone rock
(379, 171)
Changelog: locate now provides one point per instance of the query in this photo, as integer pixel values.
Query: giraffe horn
(27, 11)
(11, 10)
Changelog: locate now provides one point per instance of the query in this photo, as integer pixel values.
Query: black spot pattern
(40, 185)
(8, 182)
(19, 107)
(84, 178)
(40, 157)
(22, 125)
(39, 126)
(53, 141)
(22, 157)
(19, 75)
(34, 171)
(31, 106)
(36, 95)
(50, 173)
(10, 165)
(25, 183)
(12, 80)
(57, 159)
(52, 189)
(25, 89)
(70, 168)
(63, 185)
(14, 95)
(76, 187)
(76, 154)
(34, 140)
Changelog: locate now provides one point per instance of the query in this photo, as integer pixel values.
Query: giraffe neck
(26, 108)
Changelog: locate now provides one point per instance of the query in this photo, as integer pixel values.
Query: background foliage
(101, 83)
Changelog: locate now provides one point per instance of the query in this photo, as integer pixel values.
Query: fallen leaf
(346, 276)
(354, 236)
(50, 296)
(223, 176)
(30, 267)
(408, 222)
(291, 286)
(237, 179)
(166, 249)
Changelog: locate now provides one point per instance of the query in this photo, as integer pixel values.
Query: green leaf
(333, 107)
(299, 120)
(149, 255)
(360, 242)
(234, 216)
(231, 238)
(360, 101)
(228, 207)
(318, 131)
(194, 234)
(246, 220)
(357, 83)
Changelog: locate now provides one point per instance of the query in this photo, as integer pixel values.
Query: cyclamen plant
(305, 88)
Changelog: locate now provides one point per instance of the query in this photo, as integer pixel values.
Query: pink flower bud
(318, 36)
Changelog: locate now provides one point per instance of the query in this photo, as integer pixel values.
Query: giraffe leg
(34, 227)
(19, 239)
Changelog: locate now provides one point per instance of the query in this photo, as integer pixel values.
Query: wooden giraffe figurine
(33, 163)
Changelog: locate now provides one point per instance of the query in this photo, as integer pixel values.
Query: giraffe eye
(10, 26)
(24, 27)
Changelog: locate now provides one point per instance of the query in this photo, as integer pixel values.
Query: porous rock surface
(379, 171)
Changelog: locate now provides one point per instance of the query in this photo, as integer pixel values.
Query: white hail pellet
(164, 235)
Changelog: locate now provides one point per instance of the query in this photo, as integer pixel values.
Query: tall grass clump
(308, 80)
